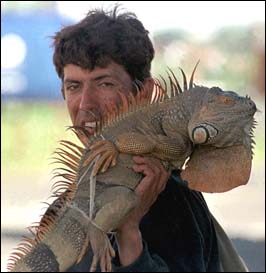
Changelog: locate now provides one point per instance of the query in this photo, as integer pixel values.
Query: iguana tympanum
(210, 127)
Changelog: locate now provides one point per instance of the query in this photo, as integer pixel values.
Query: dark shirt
(178, 235)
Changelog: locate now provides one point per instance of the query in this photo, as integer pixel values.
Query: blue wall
(35, 29)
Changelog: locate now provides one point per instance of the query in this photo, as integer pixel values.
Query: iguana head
(222, 125)
(222, 119)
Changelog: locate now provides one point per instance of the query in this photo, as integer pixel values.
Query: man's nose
(88, 100)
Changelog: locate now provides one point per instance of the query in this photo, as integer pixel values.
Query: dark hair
(102, 37)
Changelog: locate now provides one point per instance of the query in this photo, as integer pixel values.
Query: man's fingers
(147, 181)
(152, 165)
(155, 174)
(146, 170)
(142, 159)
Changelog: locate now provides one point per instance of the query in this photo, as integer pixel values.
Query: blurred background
(227, 36)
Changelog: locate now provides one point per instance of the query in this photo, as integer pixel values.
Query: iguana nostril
(252, 104)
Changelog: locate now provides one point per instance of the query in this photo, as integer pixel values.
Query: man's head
(102, 37)
(104, 53)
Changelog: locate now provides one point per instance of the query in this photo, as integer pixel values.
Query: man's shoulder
(175, 182)
(176, 178)
(179, 194)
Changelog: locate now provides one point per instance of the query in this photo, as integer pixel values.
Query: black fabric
(179, 229)
(178, 235)
(146, 262)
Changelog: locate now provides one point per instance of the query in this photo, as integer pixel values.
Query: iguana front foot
(108, 156)
(103, 251)
(101, 247)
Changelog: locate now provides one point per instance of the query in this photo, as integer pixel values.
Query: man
(95, 58)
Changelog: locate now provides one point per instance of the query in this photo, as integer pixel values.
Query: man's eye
(72, 87)
(107, 84)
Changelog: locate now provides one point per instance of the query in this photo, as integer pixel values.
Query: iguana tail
(57, 242)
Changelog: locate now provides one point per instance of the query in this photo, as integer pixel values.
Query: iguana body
(198, 123)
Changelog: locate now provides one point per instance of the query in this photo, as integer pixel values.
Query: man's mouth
(90, 126)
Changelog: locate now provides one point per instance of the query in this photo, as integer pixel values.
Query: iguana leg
(110, 205)
(115, 204)
(172, 149)
(163, 147)
(102, 249)
(160, 146)
(132, 143)
(112, 211)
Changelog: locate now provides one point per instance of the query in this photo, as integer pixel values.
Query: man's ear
(62, 91)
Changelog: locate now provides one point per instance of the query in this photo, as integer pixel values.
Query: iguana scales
(210, 126)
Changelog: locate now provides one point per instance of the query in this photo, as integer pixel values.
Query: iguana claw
(108, 156)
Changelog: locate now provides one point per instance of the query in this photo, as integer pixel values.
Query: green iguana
(210, 127)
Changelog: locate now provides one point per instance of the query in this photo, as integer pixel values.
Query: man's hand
(149, 188)
(128, 236)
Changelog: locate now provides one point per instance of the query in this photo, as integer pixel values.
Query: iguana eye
(203, 133)
(200, 135)
(226, 100)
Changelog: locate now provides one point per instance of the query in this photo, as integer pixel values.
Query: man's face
(88, 93)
